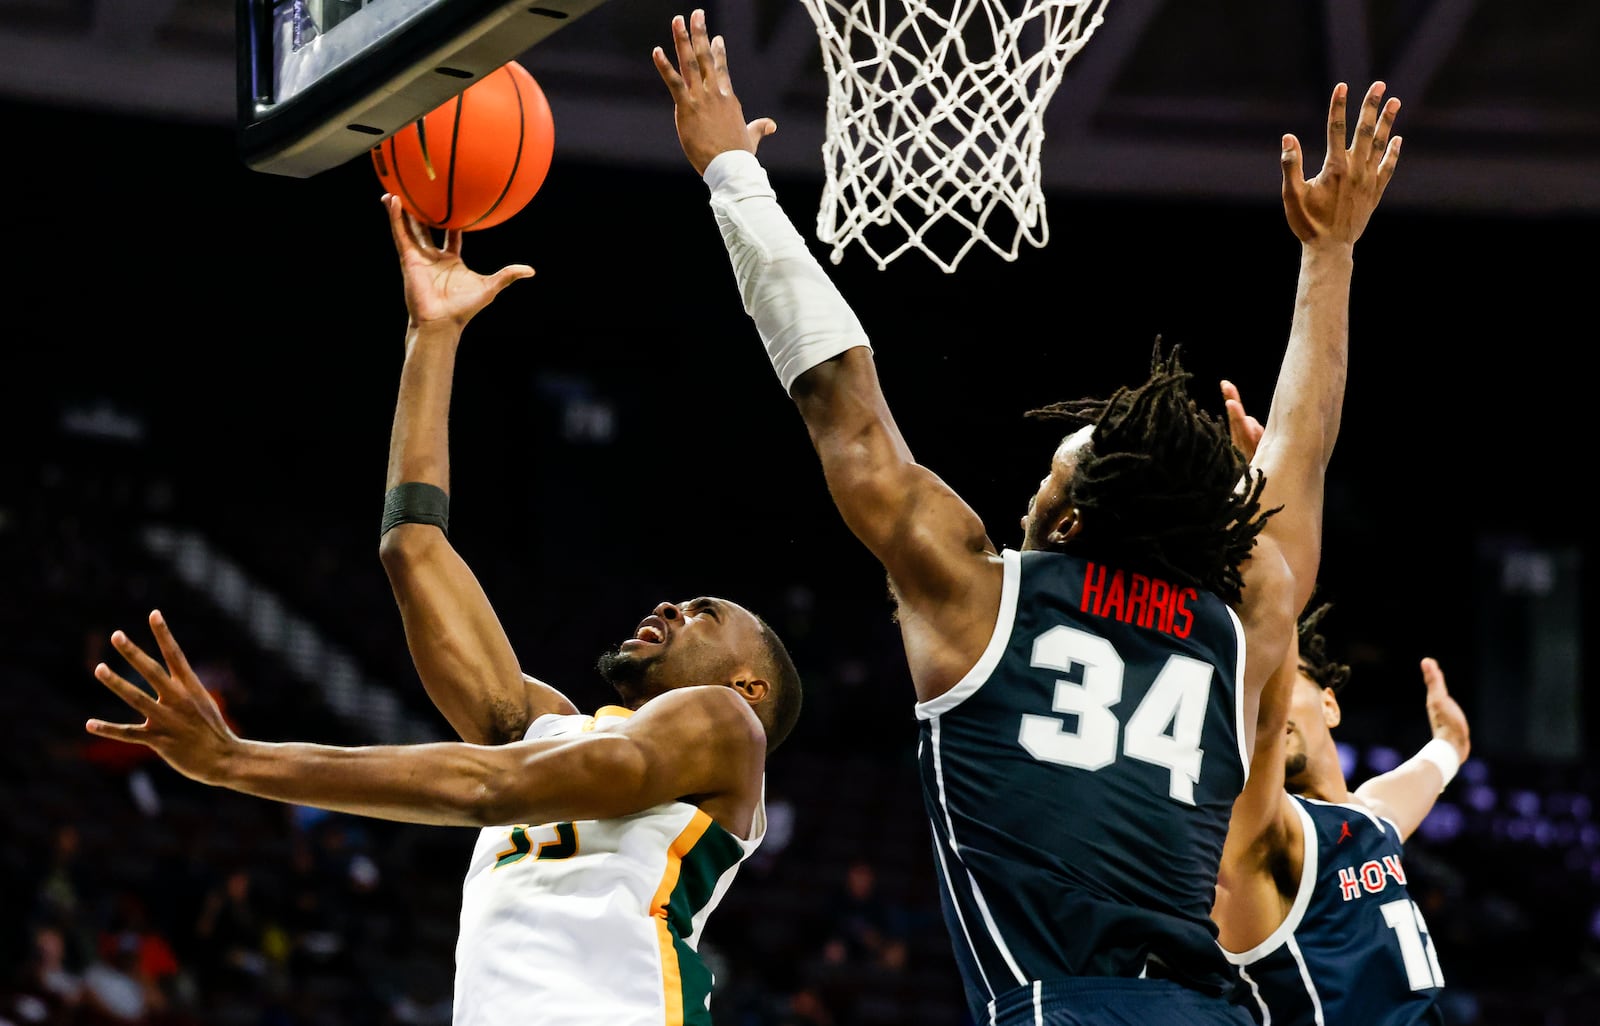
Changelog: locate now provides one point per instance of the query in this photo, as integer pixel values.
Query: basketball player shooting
(605, 840)
(1085, 707)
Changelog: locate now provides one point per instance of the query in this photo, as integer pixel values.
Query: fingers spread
(1385, 125)
(421, 238)
(719, 64)
(1391, 157)
(137, 698)
(177, 662)
(687, 69)
(508, 274)
(668, 73)
(117, 731)
(1293, 178)
(1336, 127)
(1367, 122)
(148, 668)
(701, 42)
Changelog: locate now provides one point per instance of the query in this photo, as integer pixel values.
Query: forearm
(460, 649)
(1298, 438)
(458, 645)
(1407, 793)
(442, 784)
(800, 314)
(1309, 397)
(419, 447)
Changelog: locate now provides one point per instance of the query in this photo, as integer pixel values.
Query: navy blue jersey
(1354, 947)
(1079, 781)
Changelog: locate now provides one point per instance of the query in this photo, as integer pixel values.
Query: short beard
(1294, 767)
(626, 674)
(1036, 538)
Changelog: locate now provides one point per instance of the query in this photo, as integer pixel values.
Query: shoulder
(712, 714)
(1379, 809)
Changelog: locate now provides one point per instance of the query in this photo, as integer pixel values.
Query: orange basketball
(476, 160)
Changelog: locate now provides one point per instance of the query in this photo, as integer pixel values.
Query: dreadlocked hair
(1314, 661)
(1161, 485)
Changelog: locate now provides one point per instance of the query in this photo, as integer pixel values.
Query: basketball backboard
(323, 81)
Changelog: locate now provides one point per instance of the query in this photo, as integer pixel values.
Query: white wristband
(1442, 754)
(801, 316)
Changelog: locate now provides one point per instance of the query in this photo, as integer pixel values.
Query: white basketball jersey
(594, 921)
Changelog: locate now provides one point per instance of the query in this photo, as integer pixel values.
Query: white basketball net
(936, 121)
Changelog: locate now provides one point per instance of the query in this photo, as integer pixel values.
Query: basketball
(475, 160)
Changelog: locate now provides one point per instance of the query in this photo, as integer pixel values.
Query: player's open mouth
(652, 631)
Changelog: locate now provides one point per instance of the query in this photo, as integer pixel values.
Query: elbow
(499, 794)
(405, 545)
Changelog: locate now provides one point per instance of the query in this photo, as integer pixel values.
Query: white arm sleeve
(802, 318)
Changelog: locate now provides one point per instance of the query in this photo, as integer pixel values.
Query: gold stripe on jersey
(606, 710)
(671, 978)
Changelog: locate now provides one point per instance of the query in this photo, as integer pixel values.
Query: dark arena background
(200, 373)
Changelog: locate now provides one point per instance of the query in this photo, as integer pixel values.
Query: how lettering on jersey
(1134, 598)
(1370, 877)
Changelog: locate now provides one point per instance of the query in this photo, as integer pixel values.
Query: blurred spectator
(230, 930)
(156, 963)
(870, 927)
(62, 885)
(117, 991)
(45, 992)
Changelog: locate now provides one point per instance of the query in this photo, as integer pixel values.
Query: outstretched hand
(182, 722)
(1336, 205)
(1449, 723)
(708, 115)
(439, 285)
(1245, 429)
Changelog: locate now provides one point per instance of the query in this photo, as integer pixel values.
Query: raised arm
(1328, 214)
(693, 743)
(932, 544)
(1264, 845)
(457, 643)
(1406, 793)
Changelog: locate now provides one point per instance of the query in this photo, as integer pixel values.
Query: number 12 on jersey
(1164, 730)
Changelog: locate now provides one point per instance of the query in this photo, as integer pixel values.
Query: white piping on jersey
(988, 921)
(1038, 1003)
(1255, 992)
(1377, 820)
(977, 893)
(1305, 977)
(1238, 690)
(1010, 586)
(1302, 897)
(758, 831)
(944, 870)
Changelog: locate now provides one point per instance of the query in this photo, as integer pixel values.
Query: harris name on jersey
(1137, 599)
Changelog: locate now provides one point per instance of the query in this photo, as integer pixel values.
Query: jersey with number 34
(1080, 777)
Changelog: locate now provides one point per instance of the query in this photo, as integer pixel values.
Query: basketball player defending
(606, 840)
(1312, 902)
(1086, 708)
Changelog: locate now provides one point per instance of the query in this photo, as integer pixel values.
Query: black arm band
(415, 502)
